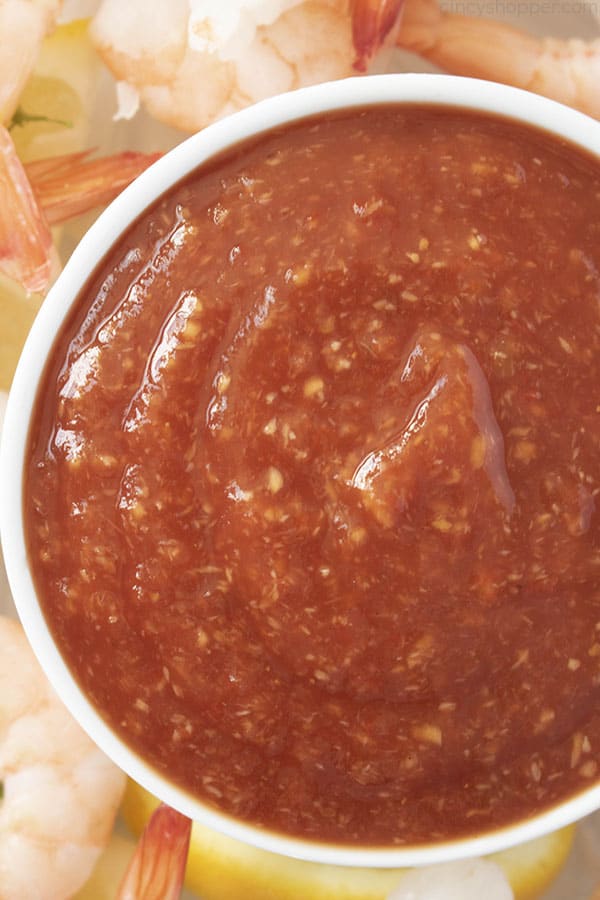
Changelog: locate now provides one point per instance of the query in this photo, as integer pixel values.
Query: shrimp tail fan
(157, 868)
(372, 22)
(26, 251)
(67, 186)
(46, 192)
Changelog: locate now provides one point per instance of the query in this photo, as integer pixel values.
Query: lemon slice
(531, 868)
(54, 106)
(109, 870)
(17, 312)
(220, 868)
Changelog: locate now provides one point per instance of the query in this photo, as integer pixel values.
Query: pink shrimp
(25, 239)
(42, 193)
(372, 22)
(240, 51)
(157, 868)
(565, 70)
(66, 186)
(59, 794)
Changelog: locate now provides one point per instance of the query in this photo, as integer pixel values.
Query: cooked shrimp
(51, 191)
(26, 249)
(372, 21)
(193, 61)
(66, 186)
(59, 792)
(23, 26)
(157, 868)
(469, 879)
(567, 71)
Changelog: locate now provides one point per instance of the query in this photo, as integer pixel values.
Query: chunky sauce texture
(312, 495)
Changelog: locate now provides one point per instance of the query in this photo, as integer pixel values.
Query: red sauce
(312, 496)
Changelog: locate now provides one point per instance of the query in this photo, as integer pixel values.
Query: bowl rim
(438, 90)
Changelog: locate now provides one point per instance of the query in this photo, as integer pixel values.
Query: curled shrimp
(23, 26)
(46, 192)
(192, 62)
(564, 70)
(59, 793)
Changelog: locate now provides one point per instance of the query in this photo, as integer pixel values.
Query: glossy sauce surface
(313, 487)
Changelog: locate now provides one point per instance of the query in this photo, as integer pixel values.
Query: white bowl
(443, 90)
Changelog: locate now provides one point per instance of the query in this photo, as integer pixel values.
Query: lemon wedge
(220, 868)
(109, 870)
(53, 113)
(17, 312)
(532, 867)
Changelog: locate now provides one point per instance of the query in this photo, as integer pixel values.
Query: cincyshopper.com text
(499, 8)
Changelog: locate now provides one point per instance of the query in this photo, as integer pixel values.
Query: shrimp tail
(468, 45)
(70, 185)
(372, 22)
(565, 70)
(25, 239)
(157, 868)
(47, 192)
